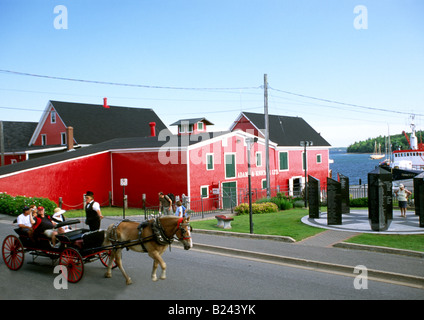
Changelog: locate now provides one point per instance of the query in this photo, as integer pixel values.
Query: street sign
(124, 182)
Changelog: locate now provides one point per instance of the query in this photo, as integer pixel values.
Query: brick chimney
(70, 138)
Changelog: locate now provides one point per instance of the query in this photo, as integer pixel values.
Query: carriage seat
(224, 221)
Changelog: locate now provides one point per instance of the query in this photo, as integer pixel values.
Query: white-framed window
(204, 191)
(284, 161)
(200, 126)
(319, 158)
(230, 165)
(259, 159)
(209, 161)
(53, 116)
(63, 138)
(43, 139)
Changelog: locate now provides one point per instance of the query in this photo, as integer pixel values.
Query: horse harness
(158, 234)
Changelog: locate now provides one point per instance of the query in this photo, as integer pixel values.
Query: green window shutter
(284, 161)
(230, 166)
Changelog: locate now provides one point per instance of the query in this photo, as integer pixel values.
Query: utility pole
(268, 189)
(2, 143)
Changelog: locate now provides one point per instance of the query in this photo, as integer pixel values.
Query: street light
(304, 144)
(249, 143)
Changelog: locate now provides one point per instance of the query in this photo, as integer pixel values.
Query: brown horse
(152, 236)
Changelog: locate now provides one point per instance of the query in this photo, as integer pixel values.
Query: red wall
(69, 180)
(146, 174)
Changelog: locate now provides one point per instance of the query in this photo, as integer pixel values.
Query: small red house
(91, 123)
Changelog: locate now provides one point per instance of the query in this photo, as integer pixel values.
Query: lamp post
(304, 144)
(249, 143)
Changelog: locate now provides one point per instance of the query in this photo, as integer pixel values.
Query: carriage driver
(92, 212)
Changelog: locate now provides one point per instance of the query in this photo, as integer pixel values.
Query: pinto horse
(152, 236)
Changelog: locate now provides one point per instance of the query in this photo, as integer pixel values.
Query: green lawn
(106, 211)
(407, 242)
(282, 223)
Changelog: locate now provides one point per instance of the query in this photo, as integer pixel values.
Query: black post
(419, 197)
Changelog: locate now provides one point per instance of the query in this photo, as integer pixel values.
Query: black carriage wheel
(72, 261)
(13, 252)
(105, 258)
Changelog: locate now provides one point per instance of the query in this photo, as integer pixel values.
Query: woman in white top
(403, 195)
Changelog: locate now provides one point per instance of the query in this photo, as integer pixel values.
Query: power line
(121, 84)
(203, 89)
(343, 103)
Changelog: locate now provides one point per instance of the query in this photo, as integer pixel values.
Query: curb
(354, 246)
(245, 235)
(383, 276)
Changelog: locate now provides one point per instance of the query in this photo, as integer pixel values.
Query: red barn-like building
(205, 165)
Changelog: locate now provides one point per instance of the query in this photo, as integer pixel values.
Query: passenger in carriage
(58, 217)
(25, 221)
(43, 225)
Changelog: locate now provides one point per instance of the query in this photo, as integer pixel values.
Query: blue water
(353, 165)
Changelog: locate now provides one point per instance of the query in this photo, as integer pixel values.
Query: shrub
(257, 208)
(13, 205)
(359, 202)
(282, 202)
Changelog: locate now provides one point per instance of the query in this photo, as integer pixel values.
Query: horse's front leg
(118, 259)
(108, 273)
(157, 260)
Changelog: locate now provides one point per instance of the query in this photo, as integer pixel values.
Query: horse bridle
(180, 227)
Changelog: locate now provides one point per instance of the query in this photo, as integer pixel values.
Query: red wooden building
(206, 164)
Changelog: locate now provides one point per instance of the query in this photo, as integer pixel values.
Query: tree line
(397, 141)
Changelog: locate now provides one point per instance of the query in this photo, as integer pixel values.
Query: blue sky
(310, 48)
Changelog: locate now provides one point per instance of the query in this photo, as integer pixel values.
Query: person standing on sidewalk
(403, 195)
(165, 204)
(92, 212)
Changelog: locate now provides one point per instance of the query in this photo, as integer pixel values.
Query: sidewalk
(320, 257)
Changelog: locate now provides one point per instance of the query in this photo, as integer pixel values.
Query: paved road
(193, 275)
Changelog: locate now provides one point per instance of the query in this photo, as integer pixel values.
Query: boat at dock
(406, 164)
(377, 153)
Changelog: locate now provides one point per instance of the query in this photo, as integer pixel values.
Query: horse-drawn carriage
(77, 247)
(81, 246)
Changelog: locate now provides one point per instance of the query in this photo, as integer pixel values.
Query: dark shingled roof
(17, 135)
(191, 121)
(93, 123)
(287, 131)
(164, 140)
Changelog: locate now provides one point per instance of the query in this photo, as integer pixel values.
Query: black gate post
(380, 206)
(314, 197)
(419, 197)
(334, 202)
(344, 181)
